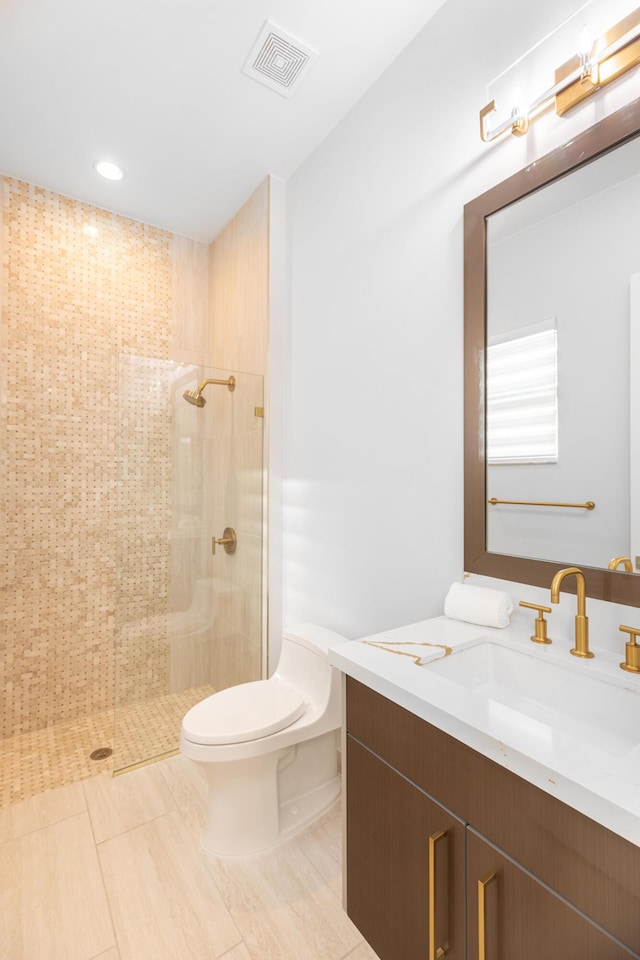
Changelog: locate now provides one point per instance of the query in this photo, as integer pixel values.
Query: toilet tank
(304, 663)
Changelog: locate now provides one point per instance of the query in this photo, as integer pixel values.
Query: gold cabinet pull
(435, 953)
(482, 915)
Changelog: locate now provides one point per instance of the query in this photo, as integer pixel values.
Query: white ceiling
(156, 85)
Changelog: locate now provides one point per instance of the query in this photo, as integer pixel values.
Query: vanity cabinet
(555, 883)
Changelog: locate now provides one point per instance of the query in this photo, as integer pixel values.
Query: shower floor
(55, 756)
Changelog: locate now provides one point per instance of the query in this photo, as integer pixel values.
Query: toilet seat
(244, 712)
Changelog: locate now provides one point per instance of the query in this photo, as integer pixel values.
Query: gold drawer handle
(435, 953)
(482, 915)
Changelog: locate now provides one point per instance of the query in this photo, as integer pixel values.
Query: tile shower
(114, 614)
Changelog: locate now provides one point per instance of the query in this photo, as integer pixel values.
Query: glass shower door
(190, 546)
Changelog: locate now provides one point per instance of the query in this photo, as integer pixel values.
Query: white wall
(372, 488)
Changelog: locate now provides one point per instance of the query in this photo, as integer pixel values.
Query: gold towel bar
(589, 505)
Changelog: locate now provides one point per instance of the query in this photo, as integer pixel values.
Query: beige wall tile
(41, 811)
(190, 337)
(239, 287)
(164, 902)
(53, 899)
(239, 309)
(71, 303)
(113, 954)
(235, 658)
(117, 804)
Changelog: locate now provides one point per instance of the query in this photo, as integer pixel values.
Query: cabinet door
(512, 915)
(405, 864)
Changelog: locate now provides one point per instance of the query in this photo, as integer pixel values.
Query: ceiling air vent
(278, 60)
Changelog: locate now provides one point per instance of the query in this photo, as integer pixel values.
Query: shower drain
(101, 753)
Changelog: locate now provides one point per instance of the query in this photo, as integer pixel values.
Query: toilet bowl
(269, 748)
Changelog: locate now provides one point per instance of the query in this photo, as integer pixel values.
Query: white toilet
(269, 748)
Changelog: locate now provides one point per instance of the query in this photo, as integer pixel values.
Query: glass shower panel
(188, 616)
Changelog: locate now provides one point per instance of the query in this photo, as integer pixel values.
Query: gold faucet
(624, 562)
(581, 648)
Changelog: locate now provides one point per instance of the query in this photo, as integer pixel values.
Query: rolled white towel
(490, 608)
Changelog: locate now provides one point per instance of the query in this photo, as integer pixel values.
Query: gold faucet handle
(228, 541)
(540, 636)
(632, 657)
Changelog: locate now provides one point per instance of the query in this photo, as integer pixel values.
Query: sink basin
(532, 697)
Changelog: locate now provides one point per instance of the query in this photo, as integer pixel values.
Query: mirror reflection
(563, 315)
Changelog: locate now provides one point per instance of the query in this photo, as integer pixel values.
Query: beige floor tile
(52, 899)
(238, 953)
(283, 907)
(118, 804)
(188, 785)
(163, 900)
(113, 954)
(41, 811)
(362, 952)
(322, 844)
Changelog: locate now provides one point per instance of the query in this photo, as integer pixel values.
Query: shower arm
(231, 383)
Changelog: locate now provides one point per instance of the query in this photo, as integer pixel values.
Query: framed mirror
(552, 324)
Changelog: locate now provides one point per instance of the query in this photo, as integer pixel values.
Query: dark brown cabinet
(451, 855)
(512, 915)
(405, 880)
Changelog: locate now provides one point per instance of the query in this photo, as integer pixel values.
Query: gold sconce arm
(518, 124)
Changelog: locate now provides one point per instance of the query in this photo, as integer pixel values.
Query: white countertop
(602, 785)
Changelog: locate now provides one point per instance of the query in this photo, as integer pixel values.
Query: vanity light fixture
(595, 65)
(109, 170)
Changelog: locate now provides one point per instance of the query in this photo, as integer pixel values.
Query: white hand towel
(490, 608)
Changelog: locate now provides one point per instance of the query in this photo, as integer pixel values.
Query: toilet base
(304, 810)
(256, 804)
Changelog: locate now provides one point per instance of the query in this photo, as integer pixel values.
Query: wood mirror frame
(613, 586)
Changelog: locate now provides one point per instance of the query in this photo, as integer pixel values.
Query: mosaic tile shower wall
(79, 286)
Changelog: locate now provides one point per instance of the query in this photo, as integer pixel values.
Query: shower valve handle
(228, 541)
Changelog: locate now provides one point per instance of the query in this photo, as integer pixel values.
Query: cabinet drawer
(594, 869)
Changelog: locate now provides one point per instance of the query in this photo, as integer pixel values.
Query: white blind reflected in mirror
(522, 396)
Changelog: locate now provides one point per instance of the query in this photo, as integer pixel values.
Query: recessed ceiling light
(108, 170)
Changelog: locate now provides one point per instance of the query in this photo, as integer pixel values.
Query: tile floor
(55, 756)
(111, 868)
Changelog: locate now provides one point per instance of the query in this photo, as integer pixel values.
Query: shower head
(195, 396)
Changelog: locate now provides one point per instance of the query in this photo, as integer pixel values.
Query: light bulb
(108, 170)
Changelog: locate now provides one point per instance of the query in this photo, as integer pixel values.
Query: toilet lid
(245, 712)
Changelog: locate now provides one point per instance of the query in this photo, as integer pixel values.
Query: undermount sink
(536, 698)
